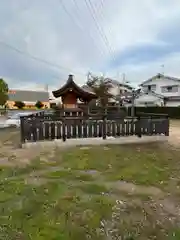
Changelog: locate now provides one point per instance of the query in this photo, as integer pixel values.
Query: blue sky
(168, 42)
(134, 37)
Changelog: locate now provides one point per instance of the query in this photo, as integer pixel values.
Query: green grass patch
(93, 188)
(59, 174)
(148, 164)
(34, 166)
(54, 211)
(147, 174)
(73, 204)
(68, 175)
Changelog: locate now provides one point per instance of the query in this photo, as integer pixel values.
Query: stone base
(96, 141)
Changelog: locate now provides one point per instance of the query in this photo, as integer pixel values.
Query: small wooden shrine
(70, 93)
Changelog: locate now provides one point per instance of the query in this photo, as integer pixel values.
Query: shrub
(172, 112)
(39, 105)
(19, 104)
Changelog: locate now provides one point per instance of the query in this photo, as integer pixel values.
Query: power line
(99, 28)
(102, 3)
(69, 14)
(29, 55)
(74, 20)
(108, 28)
(94, 41)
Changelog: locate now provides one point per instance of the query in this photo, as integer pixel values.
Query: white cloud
(43, 29)
(136, 74)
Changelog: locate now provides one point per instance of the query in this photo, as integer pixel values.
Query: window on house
(151, 103)
(68, 114)
(171, 89)
(151, 87)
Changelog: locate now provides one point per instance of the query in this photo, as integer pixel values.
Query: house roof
(120, 84)
(151, 93)
(159, 75)
(128, 95)
(28, 96)
(71, 85)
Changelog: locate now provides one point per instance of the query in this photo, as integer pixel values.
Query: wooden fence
(40, 128)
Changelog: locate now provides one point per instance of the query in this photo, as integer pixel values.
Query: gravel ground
(2, 121)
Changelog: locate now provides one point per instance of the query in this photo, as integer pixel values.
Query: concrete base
(96, 141)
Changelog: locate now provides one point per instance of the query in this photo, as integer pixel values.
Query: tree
(101, 87)
(3, 92)
(39, 104)
(19, 104)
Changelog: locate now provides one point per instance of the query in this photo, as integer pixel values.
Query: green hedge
(173, 112)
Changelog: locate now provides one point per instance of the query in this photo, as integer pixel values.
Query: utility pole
(117, 75)
(46, 87)
(88, 76)
(133, 104)
(162, 67)
(124, 78)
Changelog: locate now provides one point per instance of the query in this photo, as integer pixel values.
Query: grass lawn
(94, 193)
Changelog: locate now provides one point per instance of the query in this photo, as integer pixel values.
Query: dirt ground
(174, 133)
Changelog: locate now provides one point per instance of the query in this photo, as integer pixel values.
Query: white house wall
(148, 99)
(114, 90)
(162, 82)
(173, 104)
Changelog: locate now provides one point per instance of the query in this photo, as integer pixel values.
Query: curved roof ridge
(71, 85)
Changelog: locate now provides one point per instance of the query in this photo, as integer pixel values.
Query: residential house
(119, 87)
(158, 91)
(28, 97)
(149, 99)
(119, 90)
(122, 93)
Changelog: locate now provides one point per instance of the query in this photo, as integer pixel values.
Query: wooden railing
(40, 128)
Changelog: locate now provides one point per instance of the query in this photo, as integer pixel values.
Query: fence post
(167, 126)
(22, 130)
(139, 134)
(63, 129)
(104, 126)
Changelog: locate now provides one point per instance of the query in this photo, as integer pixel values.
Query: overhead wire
(108, 27)
(98, 26)
(94, 41)
(102, 3)
(29, 55)
(75, 21)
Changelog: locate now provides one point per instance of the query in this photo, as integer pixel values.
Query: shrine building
(70, 93)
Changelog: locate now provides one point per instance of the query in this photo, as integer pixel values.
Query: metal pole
(132, 107)
(162, 66)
